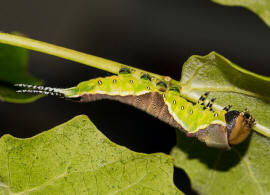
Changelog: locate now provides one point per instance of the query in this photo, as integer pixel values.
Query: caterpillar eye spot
(114, 80)
(148, 88)
(100, 82)
(182, 107)
(161, 84)
(146, 77)
(216, 115)
(124, 71)
(174, 102)
(191, 112)
(131, 81)
(175, 89)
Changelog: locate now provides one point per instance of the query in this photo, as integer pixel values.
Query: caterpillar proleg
(162, 99)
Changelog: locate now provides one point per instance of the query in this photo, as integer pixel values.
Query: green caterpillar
(162, 99)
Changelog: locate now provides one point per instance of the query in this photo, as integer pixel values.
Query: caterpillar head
(237, 128)
(239, 125)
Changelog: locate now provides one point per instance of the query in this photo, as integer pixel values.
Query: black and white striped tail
(34, 89)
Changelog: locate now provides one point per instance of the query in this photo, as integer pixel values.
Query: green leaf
(259, 7)
(13, 67)
(229, 84)
(75, 158)
(243, 170)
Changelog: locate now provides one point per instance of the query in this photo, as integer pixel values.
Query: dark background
(155, 35)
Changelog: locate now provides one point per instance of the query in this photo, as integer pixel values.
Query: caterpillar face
(238, 126)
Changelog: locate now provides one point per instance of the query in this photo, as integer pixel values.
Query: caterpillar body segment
(162, 99)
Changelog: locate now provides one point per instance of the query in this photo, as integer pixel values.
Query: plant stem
(69, 54)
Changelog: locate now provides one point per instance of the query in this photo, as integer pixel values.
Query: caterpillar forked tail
(34, 89)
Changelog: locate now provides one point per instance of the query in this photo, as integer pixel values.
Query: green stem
(69, 54)
(61, 52)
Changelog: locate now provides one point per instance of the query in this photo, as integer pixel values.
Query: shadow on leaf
(214, 158)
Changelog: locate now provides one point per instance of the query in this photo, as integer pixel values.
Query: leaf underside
(243, 170)
(75, 158)
(229, 84)
(259, 7)
(13, 67)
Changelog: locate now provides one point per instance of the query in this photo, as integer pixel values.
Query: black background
(155, 35)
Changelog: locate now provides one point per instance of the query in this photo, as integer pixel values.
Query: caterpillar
(162, 99)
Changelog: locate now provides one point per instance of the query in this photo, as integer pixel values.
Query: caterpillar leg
(227, 108)
(210, 104)
(250, 119)
(202, 99)
(34, 89)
